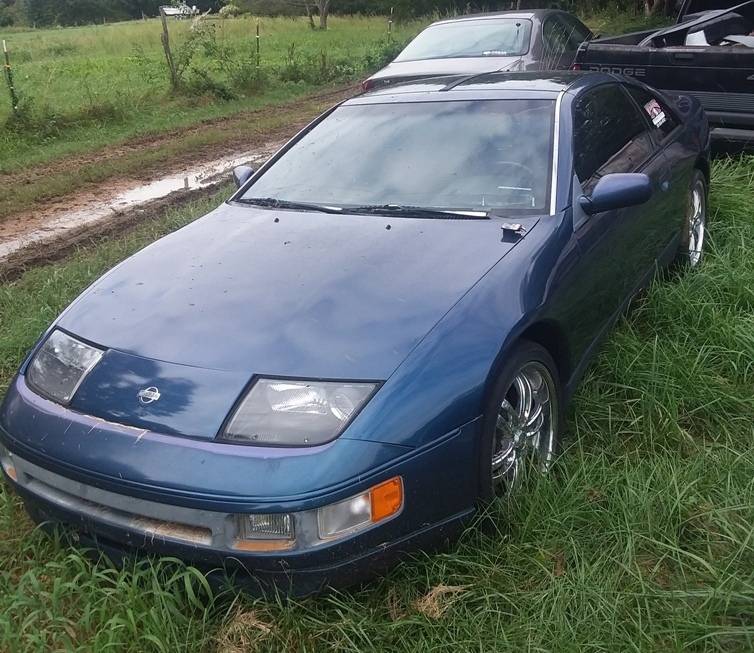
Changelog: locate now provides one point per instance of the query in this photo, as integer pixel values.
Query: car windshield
(506, 37)
(452, 155)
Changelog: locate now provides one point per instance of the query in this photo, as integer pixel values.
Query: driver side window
(555, 37)
(610, 135)
(577, 30)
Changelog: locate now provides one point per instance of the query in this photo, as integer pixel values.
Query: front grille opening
(172, 530)
(148, 526)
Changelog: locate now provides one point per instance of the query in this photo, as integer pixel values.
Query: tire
(694, 230)
(527, 362)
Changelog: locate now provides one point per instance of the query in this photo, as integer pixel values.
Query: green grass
(640, 540)
(85, 87)
(620, 21)
(271, 121)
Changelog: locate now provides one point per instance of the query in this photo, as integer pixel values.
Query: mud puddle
(118, 197)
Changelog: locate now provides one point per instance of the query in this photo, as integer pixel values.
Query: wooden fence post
(9, 80)
(165, 37)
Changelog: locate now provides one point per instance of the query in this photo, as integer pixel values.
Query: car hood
(245, 291)
(442, 67)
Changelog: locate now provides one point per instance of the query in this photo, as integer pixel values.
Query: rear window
(470, 38)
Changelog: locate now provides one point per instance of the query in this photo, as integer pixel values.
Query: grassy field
(85, 87)
(640, 540)
(96, 102)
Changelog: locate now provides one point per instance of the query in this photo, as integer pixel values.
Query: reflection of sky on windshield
(478, 154)
(470, 39)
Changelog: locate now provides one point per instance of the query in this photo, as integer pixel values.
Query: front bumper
(120, 516)
(120, 527)
(246, 571)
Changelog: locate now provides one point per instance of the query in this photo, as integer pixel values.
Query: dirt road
(52, 226)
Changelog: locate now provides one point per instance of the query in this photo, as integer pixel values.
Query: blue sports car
(375, 335)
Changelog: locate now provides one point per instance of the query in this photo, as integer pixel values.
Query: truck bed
(720, 72)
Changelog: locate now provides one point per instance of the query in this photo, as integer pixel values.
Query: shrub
(46, 123)
(382, 53)
(230, 11)
(202, 83)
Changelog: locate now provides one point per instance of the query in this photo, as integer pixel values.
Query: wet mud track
(50, 230)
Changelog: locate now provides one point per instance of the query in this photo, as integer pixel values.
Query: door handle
(687, 56)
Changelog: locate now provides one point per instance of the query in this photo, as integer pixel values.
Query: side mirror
(242, 174)
(617, 191)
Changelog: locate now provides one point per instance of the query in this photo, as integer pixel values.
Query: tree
(72, 12)
(139, 8)
(658, 7)
(323, 7)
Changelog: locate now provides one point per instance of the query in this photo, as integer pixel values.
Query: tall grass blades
(640, 540)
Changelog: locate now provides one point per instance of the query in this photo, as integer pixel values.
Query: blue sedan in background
(377, 334)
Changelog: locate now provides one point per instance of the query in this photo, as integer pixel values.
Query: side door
(617, 252)
(680, 159)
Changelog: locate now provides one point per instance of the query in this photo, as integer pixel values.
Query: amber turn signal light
(386, 499)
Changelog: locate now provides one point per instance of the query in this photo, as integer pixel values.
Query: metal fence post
(258, 45)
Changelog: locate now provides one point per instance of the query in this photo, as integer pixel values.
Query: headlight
(296, 413)
(60, 366)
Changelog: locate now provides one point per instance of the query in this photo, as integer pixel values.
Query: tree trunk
(657, 7)
(324, 9)
(309, 14)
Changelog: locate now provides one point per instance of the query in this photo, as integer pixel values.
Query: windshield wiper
(415, 211)
(275, 203)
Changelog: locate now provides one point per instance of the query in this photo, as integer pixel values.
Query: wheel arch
(702, 164)
(551, 336)
(548, 334)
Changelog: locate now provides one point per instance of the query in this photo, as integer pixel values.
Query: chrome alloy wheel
(526, 427)
(696, 222)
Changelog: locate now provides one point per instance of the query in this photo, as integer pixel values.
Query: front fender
(442, 384)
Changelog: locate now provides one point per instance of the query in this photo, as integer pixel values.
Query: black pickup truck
(708, 53)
